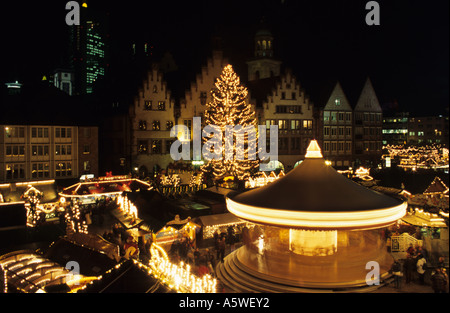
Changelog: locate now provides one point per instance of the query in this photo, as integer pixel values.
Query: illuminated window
(156, 146)
(169, 125)
(15, 171)
(295, 124)
(147, 105)
(156, 125)
(282, 124)
(142, 146)
(161, 105)
(307, 124)
(142, 125)
(337, 102)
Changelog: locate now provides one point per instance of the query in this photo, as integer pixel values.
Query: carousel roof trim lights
(315, 196)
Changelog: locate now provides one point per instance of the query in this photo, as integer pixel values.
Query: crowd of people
(417, 266)
(204, 261)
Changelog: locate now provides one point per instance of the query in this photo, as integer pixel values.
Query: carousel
(312, 230)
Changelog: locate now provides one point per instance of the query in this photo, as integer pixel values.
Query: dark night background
(406, 56)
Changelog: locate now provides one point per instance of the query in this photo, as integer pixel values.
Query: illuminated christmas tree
(231, 125)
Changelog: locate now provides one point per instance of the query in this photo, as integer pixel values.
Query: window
(295, 124)
(63, 132)
(291, 109)
(15, 171)
(326, 131)
(326, 116)
(270, 122)
(337, 102)
(333, 146)
(307, 124)
(169, 125)
(341, 116)
(142, 125)
(155, 89)
(282, 124)
(161, 105)
(326, 146)
(156, 146)
(420, 133)
(341, 131)
(14, 132)
(169, 143)
(294, 96)
(348, 116)
(39, 170)
(348, 146)
(283, 95)
(333, 116)
(63, 169)
(142, 146)
(86, 149)
(333, 131)
(147, 105)
(156, 125)
(348, 131)
(15, 150)
(63, 149)
(39, 150)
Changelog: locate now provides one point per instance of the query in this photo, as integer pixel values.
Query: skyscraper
(88, 50)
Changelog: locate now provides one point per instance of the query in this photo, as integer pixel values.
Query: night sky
(321, 41)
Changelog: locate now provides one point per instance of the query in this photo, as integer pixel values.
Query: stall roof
(104, 187)
(218, 219)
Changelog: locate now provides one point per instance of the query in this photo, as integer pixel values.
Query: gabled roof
(342, 105)
(368, 100)
(436, 186)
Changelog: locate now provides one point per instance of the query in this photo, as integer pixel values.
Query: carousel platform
(239, 278)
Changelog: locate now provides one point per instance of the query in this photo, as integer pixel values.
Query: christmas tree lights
(230, 115)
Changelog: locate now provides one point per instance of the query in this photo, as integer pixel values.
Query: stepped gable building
(152, 117)
(279, 100)
(199, 93)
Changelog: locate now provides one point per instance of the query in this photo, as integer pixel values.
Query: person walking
(396, 270)
(421, 263)
(222, 249)
(409, 267)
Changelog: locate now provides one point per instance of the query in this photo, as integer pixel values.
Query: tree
(230, 132)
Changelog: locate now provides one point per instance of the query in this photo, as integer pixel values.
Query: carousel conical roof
(313, 190)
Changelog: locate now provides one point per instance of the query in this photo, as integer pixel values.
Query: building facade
(395, 129)
(337, 115)
(152, 117)
(39, 152)
(428, 130)
(368, 127)
(281, 101)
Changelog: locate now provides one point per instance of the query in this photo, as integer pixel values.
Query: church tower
(263, 64)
